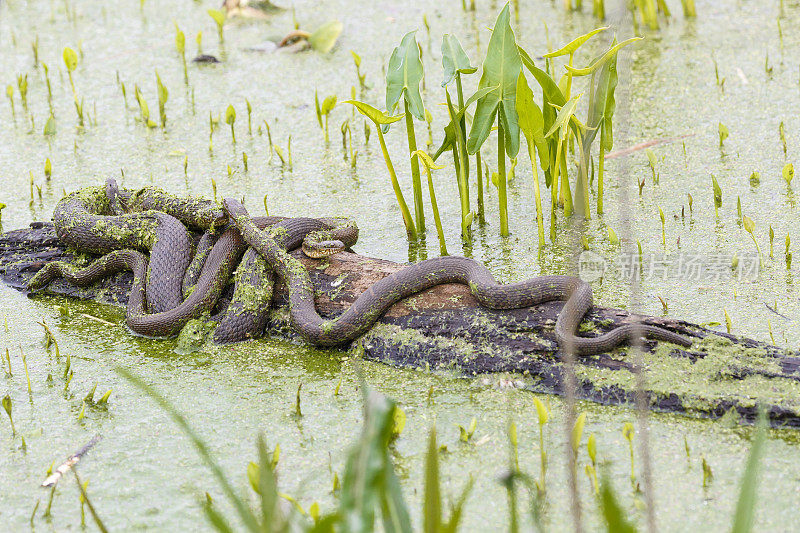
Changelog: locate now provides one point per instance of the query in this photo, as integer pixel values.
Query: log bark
(444, 328)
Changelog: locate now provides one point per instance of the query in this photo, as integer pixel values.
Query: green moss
(726, 372)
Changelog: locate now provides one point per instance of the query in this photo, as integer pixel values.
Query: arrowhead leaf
(403, 76)
(454, 59)
(500, 68)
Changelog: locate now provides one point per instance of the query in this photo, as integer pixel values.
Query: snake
(370, 305)
(85, 220)
(245, 316)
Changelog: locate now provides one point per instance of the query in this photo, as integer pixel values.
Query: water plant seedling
(7, 407)
(180, 46)
(543, 416)
(219, 17)
(629, 432)
(723, 133)
(71, 62)
(230, 120)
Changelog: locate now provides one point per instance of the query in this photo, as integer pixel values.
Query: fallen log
(443, 328)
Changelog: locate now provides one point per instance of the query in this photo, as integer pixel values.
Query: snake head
(320, 249)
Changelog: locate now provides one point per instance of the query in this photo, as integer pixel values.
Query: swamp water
(145, 473)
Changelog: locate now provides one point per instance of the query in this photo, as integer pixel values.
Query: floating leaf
(403, 76)
(454, 59)
(324, 37)
(501, 69)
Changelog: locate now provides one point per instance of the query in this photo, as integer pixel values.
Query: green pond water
(145, 473)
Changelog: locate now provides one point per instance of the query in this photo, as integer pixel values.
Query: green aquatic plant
(71, 62)
(744, 516)
(629, 432)
(180, 46)
(717, 195)
(782, 133)
(7, 407)
(403, 76)
(379, 118)
(22, 86)
(163, 96)
(144, 109)
(591, 469)
(10, 96)
(788, 173)
(749, 227)
(663, 227)
(249, 108)
(501, 68)
(219, 17)
(771, 239)
(361, 77)
(543, 415)
(788, 254)
(723, 133)
(708, 474)
(465, 434)
(432, 513)
(531, 123)
(456, 63)
(230, 120)
(324, 110)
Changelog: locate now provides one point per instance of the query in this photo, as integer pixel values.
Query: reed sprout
(219, 17)
(71, 62)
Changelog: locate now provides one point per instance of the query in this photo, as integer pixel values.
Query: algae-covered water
(145, 473)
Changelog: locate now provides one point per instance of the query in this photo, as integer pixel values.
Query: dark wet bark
(444, 328)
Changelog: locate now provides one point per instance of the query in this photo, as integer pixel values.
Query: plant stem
(436, 219)
(539, 215)
(415, 180)
(601, 164)
(480, 186)
(463, 129)
(410, 228)
(501, 178)
(583, 176)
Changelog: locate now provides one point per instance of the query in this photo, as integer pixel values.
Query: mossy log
(444, 329)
